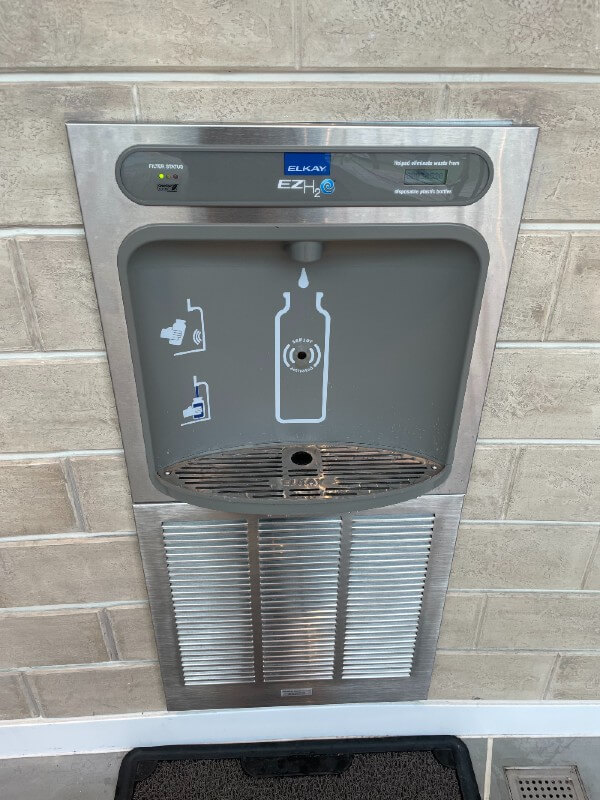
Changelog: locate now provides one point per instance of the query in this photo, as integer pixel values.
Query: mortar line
(135, 95)
(32, 694)
(541, 442)
(56, 454)
(108, 635)
(521, 651)
(590, 563)
(556, 287)
(287, 75)
(510, 483)
(32, 230)
(53, 355)
(486, 591)
(547, 345)
(551, 676)
(23, 289)
(74, 607)
(557, 225)
(87, 666)
(444, 101)
(480, 622)
(575, 524)
(52, 537)
(74, 496)
(297, 33)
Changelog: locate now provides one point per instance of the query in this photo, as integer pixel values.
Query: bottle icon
(302, 329)
(199, 409)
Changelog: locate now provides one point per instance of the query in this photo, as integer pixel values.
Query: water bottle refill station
(300, 322)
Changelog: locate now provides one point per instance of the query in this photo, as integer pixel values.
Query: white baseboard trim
(44, 737)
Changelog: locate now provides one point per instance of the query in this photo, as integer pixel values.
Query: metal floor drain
(545, 783)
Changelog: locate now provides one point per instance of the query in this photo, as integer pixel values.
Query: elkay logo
(306, 163)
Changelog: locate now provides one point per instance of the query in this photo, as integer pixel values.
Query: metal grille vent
(322, 472)
(209, 577)
(299, 569)
(388, 566)
(545, 783)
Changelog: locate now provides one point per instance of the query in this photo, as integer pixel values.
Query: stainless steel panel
(279, 605)
(412, 598)
(109, 217)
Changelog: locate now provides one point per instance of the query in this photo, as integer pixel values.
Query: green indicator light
(161, 175)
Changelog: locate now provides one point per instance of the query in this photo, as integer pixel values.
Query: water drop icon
(303, 280)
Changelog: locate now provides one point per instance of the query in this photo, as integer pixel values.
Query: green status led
(161, 175)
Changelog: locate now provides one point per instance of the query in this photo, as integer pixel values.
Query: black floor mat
(408, 768)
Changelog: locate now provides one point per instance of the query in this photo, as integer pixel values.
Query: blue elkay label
(306, 163)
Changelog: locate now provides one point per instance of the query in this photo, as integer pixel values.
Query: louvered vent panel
(388, 565)
(299, 565)
(210, 586)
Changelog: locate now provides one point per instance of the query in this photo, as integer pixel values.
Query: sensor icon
(175, 333)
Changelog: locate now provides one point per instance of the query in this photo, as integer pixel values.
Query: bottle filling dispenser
(300, 321)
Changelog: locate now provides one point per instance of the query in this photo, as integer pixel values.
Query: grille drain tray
(545, 783)
(299, 472)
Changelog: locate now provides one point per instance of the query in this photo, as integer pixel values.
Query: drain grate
(388, 567)
(299, 572)
(209, 576)
(299, 472)
(545, 783)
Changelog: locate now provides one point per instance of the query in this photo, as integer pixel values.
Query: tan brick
(565, 181)
(34, 498)
(62, 289)
(543, 394)
(44, 639)
(491, 34)
(205, 33)
(576, 314)
(13, 330)
(521, 556)
(36, 173)
(535, 270)
(60, 571)
(490, 676)
(302, 102)
(541, 621)
(133, 632)
(557, 483)
(104, 493)
(13, 704)
(462, 613)
(576, 678)
(102, 690)
(489, 481)
(56, 404)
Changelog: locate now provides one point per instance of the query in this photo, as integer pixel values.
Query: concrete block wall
(521, 620)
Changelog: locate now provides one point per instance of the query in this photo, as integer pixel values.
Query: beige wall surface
(521, 619)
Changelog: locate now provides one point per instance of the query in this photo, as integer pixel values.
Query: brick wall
(521, 621)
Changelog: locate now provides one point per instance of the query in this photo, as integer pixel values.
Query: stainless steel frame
(109, 216)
